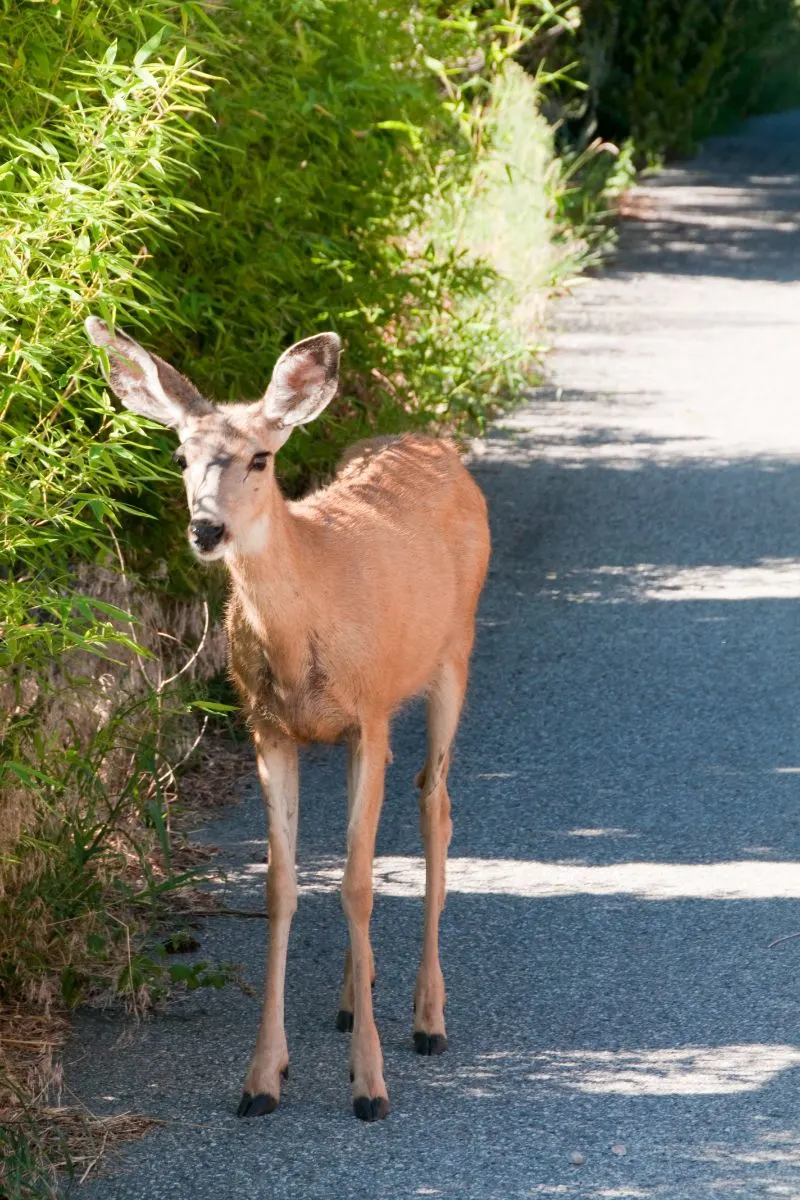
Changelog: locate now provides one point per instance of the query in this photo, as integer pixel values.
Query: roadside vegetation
(223, 180)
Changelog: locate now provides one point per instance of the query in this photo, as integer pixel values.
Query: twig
(191, 661)
(229, 912)
(124, 574)
(170, 769)
(93, 1163)
(787, 937)
(130, 964)
(159, 688)
(192, 748)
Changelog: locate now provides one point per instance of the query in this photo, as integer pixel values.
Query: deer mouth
(208, 539)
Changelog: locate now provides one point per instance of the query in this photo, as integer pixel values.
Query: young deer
(342, 606)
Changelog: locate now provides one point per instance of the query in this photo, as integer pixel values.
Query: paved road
(627, 788)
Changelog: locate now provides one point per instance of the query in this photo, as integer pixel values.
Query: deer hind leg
(370, 1098)
(444, 707)
(277, 769)
(344, 1015)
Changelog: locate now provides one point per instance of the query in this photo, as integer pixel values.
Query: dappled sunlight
(629, 429)
(403, 877)
(624, 431)
(611, 832)
(688, 1071)
(772, 1146)
(620, 1193)
(690, 204)
(654, 1071)
(768, 579)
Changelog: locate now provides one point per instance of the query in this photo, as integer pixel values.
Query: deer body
(377, 578)
(343, 605)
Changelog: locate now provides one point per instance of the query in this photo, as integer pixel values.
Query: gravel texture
(618, 1027)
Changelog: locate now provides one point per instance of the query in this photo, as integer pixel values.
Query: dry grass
(35, 1127)
(40, 1136)
(211, 783)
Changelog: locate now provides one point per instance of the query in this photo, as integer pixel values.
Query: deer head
(226, 452)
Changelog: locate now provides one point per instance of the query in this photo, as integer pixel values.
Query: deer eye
(259, 461)
(180, 459)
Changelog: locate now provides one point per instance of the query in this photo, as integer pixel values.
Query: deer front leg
(370, 1098)
(277, 769)
(344, 1016)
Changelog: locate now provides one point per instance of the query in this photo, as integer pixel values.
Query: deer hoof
(256, 1106)
(429, 1044)
(344, 1021)
(371, 1110)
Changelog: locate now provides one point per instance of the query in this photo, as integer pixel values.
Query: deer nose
(205, 534)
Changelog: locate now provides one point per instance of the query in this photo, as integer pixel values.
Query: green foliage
(335, 124)
(100, 865)
(675, 64)
(25, 1162)
(663, 74)
(82, 188)
(224, 181)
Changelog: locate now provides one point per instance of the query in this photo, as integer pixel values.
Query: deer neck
(270, 582)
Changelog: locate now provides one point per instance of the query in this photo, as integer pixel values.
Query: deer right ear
(304, 380)
(144, 382)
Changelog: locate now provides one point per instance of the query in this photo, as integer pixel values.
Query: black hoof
(344, 1021)
(429, 1043)
(370, 1110)
(256, 1106)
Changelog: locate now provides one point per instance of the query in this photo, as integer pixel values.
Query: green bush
(667, 73)
(223, 182)
(677, 65)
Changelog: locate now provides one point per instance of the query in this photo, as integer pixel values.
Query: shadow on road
(732, 212)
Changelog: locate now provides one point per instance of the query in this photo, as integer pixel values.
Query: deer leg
(370, 1099)
(277, 769)
(344, 1016)
(444, 706)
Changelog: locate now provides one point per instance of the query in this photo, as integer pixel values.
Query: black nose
(205, 534)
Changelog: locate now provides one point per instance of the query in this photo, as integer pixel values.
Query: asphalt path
(625, 786)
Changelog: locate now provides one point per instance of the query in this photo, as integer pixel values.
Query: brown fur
(373, 602)
(342, 606)
(380, 576)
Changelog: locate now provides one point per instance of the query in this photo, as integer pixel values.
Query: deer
(343, 606)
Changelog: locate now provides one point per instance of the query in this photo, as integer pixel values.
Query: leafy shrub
(227, 181)
(675, 64)
(666, 73)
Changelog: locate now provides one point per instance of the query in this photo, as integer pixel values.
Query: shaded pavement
(626, 788)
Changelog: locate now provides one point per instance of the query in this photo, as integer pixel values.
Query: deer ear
(304, 380)
(144, 382)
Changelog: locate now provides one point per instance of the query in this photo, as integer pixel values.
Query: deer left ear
(144, 382)
(304, 381)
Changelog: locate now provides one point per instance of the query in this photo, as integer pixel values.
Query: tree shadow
(731, 212)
